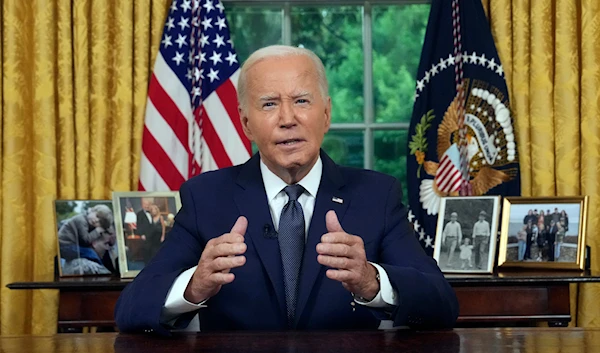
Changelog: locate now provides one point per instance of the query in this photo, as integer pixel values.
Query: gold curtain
(74, 76)
(550, 51)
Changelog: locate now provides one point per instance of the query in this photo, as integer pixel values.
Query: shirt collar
(274, 184)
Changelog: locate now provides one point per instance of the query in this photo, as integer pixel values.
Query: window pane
(390, 155)
(398, 34)
(345, 147)
(253, 28)
(335, 35)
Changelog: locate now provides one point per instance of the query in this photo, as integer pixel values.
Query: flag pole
(465, 189)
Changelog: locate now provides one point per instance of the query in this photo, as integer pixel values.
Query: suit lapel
(251, 200)
(330, 188)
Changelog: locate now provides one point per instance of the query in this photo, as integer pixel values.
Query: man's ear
(244, 121)
(327, 114)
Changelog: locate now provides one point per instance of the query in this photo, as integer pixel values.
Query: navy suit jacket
(255, 300)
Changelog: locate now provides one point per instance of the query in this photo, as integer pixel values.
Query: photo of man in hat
(481, 237)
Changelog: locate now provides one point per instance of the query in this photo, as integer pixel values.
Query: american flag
(192, 124)
(448, 178)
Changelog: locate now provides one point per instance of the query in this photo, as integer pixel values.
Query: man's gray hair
(279, 51)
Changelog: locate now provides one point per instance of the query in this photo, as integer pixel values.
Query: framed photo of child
(143, 221)
(466, 234)
(87, 244)
(543, 232)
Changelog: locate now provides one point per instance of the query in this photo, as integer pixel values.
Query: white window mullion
(368, 85)
(286, 24)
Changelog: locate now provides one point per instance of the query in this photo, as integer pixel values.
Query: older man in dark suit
(288, 240)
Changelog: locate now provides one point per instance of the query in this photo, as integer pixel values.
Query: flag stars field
(191, 122)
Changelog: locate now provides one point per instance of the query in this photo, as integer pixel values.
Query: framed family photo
(86, 238)
(143, 221)
(546, 232)
(465, 240)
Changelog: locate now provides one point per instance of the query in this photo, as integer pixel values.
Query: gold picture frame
(140, 240)
(555, 241)
(471, 253)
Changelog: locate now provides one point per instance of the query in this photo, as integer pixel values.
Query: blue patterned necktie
(291, 246)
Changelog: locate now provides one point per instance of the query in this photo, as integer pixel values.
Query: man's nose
(287, 117)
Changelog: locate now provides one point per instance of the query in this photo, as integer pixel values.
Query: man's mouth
(289, 142)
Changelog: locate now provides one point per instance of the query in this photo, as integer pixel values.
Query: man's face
(146, 203)
(102, 245)
(481, 217)
(453, 218)
(286, 115)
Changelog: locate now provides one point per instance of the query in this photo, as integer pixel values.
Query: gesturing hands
(345, 253)
(218, 258)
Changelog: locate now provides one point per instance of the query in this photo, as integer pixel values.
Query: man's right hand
(219, 256)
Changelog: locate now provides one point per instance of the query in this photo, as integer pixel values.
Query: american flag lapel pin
(337, 199)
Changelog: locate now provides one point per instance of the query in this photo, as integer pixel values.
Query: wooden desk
(506, 298)
(517, 297)
(526, 340)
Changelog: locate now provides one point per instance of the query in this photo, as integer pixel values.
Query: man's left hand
(345, 254)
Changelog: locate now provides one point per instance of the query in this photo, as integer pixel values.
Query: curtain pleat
(519, 84)
(81, 106)
(18, 98)
(566, 99)
(588, 309)
(541, 109)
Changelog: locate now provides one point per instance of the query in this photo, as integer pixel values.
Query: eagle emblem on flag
(490, 146)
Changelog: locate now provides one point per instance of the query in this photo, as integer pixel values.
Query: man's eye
(268, 104)
(302, 101)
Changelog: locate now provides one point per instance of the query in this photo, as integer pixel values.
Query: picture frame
(143, 220)
(555, 242)
(457, 248)
(86, 238)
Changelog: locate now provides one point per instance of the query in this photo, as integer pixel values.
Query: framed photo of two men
(143, 221)
(546, 232)
(466, 234)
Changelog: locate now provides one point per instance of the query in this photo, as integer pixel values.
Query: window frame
(368, 126)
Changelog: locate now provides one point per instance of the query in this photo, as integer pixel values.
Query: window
(371, 52)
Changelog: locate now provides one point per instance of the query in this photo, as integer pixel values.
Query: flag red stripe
(456, 185)
(161, 161)
(454, 178)
(169, 111)
(449, 179)
(214, 143)
(228, 96)
(446, 167)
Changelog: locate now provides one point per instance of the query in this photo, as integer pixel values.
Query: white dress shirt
(481, 228)
(176, 304)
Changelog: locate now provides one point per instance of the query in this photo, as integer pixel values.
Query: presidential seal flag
(461, 137)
